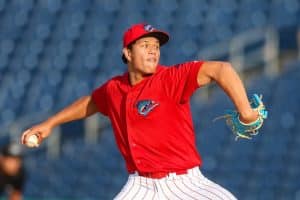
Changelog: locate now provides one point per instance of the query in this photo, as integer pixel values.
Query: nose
(153, 49)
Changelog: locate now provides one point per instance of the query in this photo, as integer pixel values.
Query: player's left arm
(227, 78)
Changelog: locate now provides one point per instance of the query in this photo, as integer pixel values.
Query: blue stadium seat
(126, 19)
(281, 10)
(7, 46)
(3, 63)
(2, 5)
(64, 48)
(52, 6)
(77, 5)
(95, 32)
(192, 5)
(42, 31)
(60, 62)
(42, 16)
(192, 18)
(108, 5)
(135, 5)
(188, 49)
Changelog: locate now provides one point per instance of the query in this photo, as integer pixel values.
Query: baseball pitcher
(149, 109)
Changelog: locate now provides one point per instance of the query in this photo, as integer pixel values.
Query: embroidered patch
(145, 106)
(148, 28)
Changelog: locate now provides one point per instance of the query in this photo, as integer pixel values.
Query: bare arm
(227, 78)
(81, 108)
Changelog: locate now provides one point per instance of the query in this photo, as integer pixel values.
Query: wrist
(248, 116)
(50, 123)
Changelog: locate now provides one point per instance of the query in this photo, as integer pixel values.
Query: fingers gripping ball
(243, 130)
(32, 141)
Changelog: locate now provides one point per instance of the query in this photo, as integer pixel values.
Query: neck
(136, 75)
(135, 78)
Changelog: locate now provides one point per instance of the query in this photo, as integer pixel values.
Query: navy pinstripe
(190, 186)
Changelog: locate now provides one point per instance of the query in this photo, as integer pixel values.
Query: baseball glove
(243, 130)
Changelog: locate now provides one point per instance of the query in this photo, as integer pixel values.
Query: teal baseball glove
(243, 130)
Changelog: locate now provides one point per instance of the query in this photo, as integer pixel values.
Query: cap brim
(162, 37)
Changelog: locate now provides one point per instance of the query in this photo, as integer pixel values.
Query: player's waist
(159, 175)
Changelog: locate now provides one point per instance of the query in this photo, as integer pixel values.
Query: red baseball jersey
(152, 120)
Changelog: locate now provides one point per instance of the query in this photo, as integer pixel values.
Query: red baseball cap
(137, 31)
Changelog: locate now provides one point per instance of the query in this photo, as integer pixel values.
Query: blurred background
(54, 51)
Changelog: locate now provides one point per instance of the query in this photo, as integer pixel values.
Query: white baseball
(32, 141)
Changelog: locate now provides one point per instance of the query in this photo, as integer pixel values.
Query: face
(144, 56)
(10, 165)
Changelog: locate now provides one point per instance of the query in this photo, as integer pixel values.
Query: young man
(12, 173)
(150, 114)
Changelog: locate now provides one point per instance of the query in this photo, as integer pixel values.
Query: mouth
(153, 60)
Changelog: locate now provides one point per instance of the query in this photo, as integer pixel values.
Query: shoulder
(184, 67)
(189, 64)
(118, 80)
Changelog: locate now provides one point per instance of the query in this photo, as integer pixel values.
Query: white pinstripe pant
(190, 186)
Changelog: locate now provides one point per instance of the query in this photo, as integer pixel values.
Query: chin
(151, 69)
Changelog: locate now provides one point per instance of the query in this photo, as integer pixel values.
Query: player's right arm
(81, 108)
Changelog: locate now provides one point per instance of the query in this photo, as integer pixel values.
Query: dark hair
(129, 46)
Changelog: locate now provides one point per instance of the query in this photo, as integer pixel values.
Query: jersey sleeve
(180, 81)
(99, 97)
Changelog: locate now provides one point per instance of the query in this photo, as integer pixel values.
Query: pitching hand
(41, 130)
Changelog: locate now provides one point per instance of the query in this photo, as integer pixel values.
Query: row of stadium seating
(45, 45)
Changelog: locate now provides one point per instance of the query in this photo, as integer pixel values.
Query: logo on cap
(148, 28)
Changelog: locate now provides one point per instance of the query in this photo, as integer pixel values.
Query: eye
(144, 45)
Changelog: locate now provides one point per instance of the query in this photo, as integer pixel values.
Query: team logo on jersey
(145, 106)
(148, 28)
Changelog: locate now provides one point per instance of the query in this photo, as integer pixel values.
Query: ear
(127, 53)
